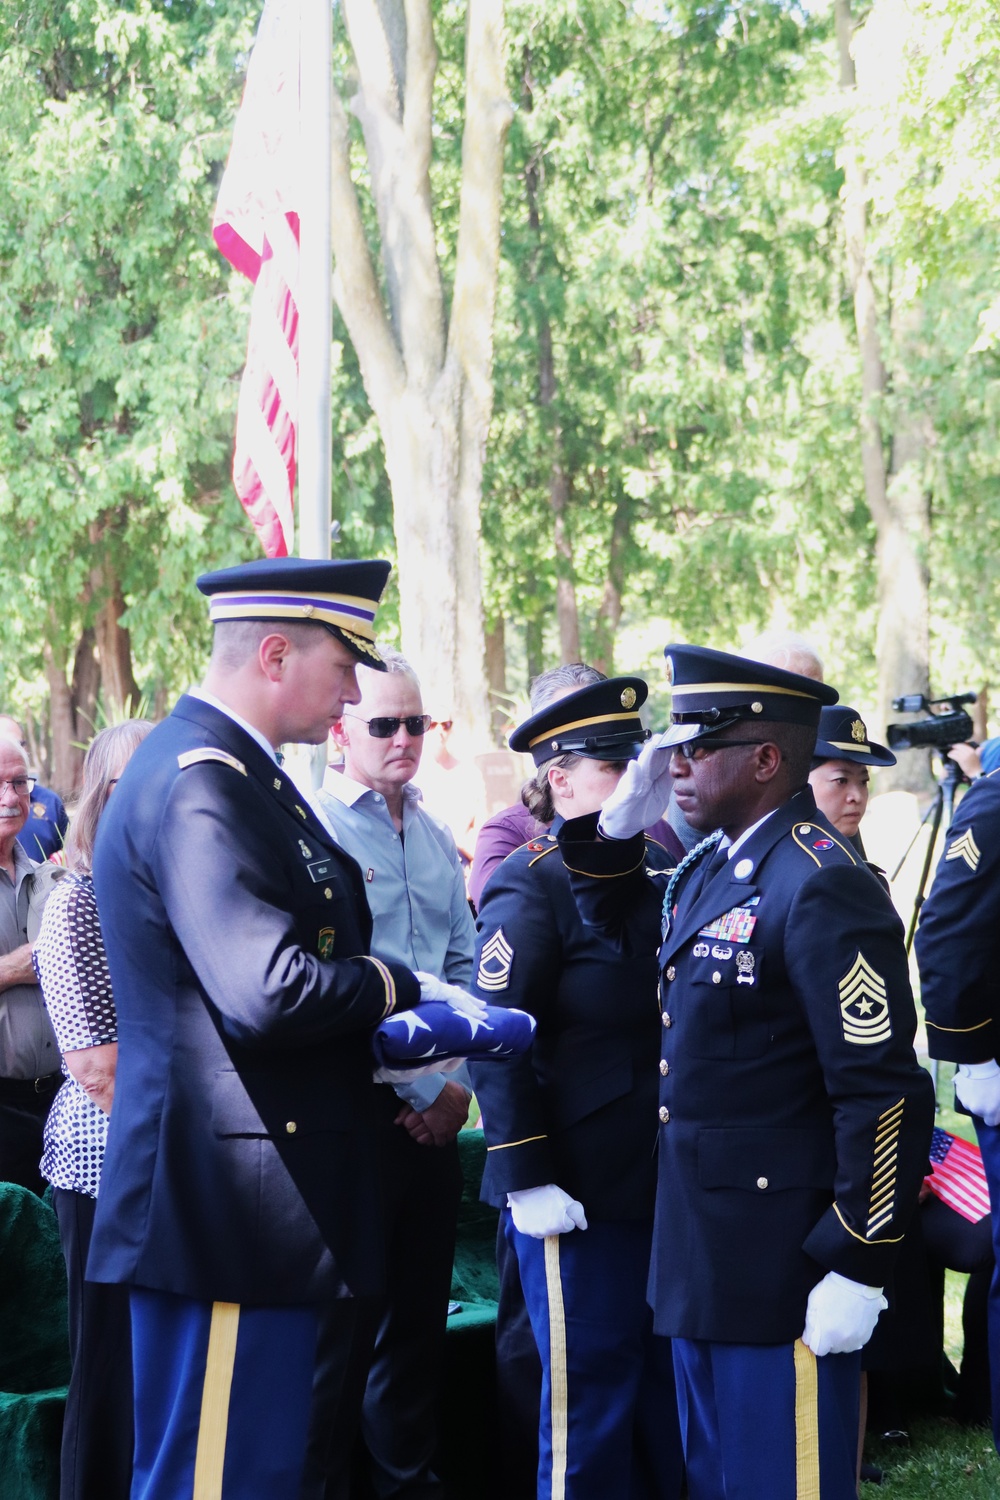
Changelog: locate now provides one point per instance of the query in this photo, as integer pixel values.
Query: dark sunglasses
(698, 749)
(383, 728)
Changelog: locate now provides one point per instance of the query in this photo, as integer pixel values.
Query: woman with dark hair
(72, 969)
(571, 1128)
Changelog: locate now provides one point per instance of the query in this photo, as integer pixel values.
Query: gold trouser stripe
(559, 1393)
(806, 1424)
(210, 1456)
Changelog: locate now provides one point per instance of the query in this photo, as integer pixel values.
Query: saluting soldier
(958, 953)
(794, 1119)
(239, 1188)
(571, 1127)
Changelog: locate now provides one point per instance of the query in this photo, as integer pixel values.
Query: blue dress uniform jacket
(580, 1108)
(958, 939)
(794, 1117)
(240, 1161)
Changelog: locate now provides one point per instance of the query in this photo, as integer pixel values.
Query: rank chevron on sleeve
(495, 962)
(965, 848)
(864, 1006)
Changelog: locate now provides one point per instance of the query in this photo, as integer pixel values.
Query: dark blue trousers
(608, 1424)
(767, 1421)
(989, 1145)
(222, 1397)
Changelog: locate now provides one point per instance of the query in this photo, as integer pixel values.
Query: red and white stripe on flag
(256, 227)
(957, 1176)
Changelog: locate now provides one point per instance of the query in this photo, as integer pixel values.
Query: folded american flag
(957, 1176)
(414, 1038)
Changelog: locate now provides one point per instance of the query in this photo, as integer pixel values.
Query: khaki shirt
(28, 1046)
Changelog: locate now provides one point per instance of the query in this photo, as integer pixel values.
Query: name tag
(320, 869)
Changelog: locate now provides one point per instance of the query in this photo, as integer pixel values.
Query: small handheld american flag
(957, 1176)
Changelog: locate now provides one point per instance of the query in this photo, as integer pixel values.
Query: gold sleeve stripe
(558, 1368)
(956, 1029)
(390, 986)
(213, 1424)
(882, 1201)
(860, 1237)
(507, 1145)
(806, 1423)
(617, 875)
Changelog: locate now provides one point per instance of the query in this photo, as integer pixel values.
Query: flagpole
(315, 278)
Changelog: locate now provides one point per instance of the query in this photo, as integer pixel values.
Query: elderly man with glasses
(29, 1055)
(421, 918)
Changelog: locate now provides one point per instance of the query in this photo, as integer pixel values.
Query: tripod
(944, 802)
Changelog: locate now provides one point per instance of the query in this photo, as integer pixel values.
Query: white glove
(542, 1211)
(977, 1085)
(841, 1315)
(432, 988)
(642, 794)
(407, 1075)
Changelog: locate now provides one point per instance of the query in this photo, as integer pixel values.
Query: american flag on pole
(256, 227)
(957, 1176)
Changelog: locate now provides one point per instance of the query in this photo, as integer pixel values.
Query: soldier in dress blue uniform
(571, 1128)
(794, 1119)
(958, 953)
(239, 1188)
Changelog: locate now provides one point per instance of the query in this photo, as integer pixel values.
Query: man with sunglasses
(794, 1118)
(29, 1055)
(421, 919)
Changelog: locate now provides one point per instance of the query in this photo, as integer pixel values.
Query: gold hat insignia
(628, 697)
(859, 732)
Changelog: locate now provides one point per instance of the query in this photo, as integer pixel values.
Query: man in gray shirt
(29, 1056)
(416, 891)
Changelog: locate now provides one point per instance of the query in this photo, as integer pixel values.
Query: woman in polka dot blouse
(72, 969)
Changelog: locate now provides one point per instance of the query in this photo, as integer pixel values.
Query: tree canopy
(679, 400)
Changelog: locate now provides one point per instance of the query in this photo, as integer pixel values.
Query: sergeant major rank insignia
(864, 1007)
(495, 963)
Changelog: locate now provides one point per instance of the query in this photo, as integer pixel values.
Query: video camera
(948, 724)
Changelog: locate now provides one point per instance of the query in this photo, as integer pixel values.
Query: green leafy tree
(118, 347)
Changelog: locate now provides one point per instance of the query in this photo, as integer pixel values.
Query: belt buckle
(41, 1084)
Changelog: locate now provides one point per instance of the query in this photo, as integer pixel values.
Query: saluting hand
(641, 795)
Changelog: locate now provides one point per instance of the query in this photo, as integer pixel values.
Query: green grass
(945, 1462)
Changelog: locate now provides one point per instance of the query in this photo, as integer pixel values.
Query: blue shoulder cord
(685, 864)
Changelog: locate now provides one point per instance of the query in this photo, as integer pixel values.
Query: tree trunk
(67, 758)
(898, 500)
(610, 612)
(119, 689)
(496, 676)
(428, 374)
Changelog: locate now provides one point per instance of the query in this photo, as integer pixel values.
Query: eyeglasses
(698, 749)
(383, 728)
(444, 724)
(22, 785)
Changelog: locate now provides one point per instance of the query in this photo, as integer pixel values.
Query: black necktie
(719, 861)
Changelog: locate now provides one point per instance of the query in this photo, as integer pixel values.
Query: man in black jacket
(239, 1188)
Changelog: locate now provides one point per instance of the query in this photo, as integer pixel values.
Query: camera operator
(958, 953)
(976, 760)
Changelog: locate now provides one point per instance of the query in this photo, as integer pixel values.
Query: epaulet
(818, 843)
(539, 847)
(655, 849)
(208, 752)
